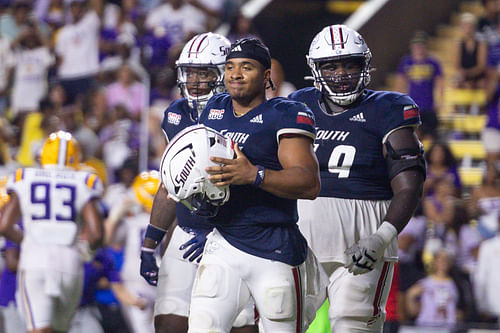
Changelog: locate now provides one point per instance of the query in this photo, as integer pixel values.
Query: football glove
(362, 257)
(197, 244)
(149, 268)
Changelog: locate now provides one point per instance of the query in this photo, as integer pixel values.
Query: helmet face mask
(205, 54)
(183, 169)
(334, 46)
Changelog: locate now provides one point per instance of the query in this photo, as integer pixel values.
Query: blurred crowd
(448, 252)
(98, 68)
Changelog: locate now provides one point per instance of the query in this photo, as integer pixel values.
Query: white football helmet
(183, 168)
(338, 43)
(207, 50)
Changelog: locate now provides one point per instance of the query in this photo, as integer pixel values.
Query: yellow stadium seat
(465, 97)
(472, 148)
(470, 124)
(344, 7)
(471, 176)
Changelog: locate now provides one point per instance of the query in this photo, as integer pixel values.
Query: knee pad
(210, 281)
(279, 301)
(203, 322)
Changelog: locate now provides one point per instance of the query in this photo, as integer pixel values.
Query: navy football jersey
(253, 220)
(349, 145)
(177, 117)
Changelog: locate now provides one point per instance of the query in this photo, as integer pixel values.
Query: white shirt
(5, 61)
(78, 46)
(178, 24)
(30, 80)
(487, 288)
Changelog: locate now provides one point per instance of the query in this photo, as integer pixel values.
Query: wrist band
(154, 233)
(387, 231)
(259, 177)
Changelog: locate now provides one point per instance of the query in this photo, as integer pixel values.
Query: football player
(372, 170)
(200, 75)
(256, 249)
(132, 217)
(52, 201)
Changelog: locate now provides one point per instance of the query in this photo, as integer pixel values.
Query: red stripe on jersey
(411, 113)
(305, 120)
(298, 294)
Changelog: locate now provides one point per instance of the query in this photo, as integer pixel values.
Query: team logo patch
(215, 114)
(174, 118)
(410, 111)
(305, 118)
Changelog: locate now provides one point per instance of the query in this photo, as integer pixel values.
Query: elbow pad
(404, 159)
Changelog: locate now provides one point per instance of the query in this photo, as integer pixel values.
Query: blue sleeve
(296, 118)
(402, 112)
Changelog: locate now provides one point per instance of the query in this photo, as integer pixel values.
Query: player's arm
(299, 178)
(11, 213)
(406, 167)
(93, 224)
(407, 170)
(162, 217)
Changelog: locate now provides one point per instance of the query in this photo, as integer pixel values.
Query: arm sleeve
(403, 112)
(297, 119)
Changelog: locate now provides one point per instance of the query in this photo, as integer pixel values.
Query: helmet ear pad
(183, 168)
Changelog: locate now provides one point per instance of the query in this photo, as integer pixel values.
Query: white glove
(361, 257)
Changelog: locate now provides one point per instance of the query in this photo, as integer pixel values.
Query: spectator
(440, 164)
(5, 64)
(128, 92)
(241, 27)
(31, 61)
(72, 118)
(487, 23)
(490, 135)
(12, 23)
(439, 209)
(434, 299)
(470, 56)
(281, 87)
(487, 275)
(420, 75)
(410, 245)
(178, 20)
(77, 50)
(484, 203)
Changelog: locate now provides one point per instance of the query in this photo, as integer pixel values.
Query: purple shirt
(416, 229)
(8, 280)
(421, 78)
(438, 303)
(493, 111)
(101, 266)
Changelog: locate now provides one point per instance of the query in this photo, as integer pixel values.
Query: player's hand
(197, 244)
(149, 268)
(362, 257)
(237, 171)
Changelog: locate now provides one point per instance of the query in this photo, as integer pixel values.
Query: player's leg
(219, 293)
(11, 321)
(175, 282)
(140, 321)
(357, 302)
(246, 321)
(66, 305)
(35, 305)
